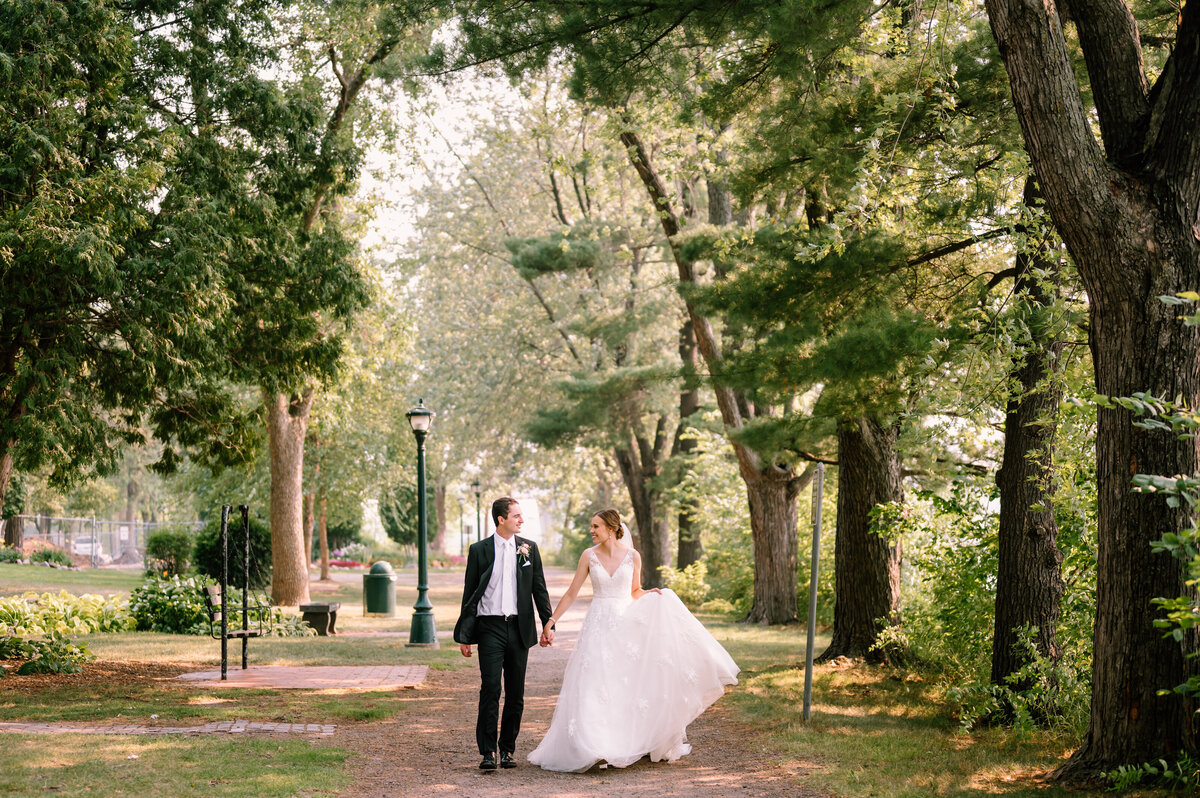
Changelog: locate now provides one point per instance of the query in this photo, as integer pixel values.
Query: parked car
(86, 546)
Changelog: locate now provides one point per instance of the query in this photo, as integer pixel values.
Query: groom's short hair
(500, 508)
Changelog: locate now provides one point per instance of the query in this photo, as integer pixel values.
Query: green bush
(56, 556)
(63, 613)
(208, 552)
(174, 605)
(53, 653)
(688, 584)
(9, 554)
(169, 551)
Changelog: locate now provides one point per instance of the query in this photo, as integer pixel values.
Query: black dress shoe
(507, 761)
(488, 763)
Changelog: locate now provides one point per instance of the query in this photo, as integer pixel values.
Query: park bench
(322, 616)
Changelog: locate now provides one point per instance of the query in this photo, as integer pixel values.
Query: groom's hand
(547, 637)
(465, 648)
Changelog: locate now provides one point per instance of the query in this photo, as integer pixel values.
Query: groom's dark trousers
(503, 643)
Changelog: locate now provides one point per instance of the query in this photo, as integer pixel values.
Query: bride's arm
(637, 577)
(568, 598)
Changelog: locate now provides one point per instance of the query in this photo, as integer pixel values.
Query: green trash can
(379, 590)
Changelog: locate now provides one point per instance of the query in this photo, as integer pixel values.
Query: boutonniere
(523, 554)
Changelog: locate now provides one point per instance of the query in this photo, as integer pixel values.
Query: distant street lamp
(424, 631)
(478, 517)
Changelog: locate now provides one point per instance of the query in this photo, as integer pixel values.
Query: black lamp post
(478, 517)
(424, 631)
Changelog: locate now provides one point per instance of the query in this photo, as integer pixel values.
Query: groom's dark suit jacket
(531, 589)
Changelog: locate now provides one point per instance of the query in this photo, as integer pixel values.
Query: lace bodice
(618, 584)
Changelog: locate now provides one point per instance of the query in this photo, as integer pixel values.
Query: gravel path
(429, 747)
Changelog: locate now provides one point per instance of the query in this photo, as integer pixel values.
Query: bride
(642, 670)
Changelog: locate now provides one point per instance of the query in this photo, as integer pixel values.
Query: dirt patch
(97, 673)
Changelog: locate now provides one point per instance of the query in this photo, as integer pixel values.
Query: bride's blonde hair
(612, 519)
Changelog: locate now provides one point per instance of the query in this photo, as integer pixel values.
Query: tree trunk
(866, 565)
(758, 474)
(690, 548)
(310, 520)
(653, 535)
(772, 498)
(14, 532)
(1130, 216)
(6, 470)
(1029, 584)
(287, 424)
(324, 538)
(439, 503)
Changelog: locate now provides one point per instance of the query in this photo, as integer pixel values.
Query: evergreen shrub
(169, 551)
(207, 554)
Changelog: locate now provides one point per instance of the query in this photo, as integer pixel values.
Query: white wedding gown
(640, 673)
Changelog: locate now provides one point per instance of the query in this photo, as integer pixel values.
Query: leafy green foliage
(949, 613)
(169, 551)
(174, 605)
(1041, 693)
(53, 653)
(52, 555)
(208, 552)
(398, 512)
(1183, 773)
(63, 613)
(10, 554)
(14, 499)
(688, 584)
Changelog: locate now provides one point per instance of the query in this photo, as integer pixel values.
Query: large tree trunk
(287, 423)
(772, 498)
(439, 503)
(1029, 584)
(1130, 216)
(690, 548)
(866, 565)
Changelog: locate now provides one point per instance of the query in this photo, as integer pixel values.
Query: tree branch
(1109, 37)
(1171, 141)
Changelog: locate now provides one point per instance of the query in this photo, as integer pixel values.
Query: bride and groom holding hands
(642, 670)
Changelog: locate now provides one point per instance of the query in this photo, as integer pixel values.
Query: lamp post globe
(424, 631)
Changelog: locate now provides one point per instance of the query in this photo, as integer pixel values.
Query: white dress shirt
(500, 597)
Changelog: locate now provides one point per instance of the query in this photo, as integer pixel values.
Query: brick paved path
(217, 727)
(315, 677)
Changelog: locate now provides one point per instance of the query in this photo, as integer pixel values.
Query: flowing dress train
(640, 673)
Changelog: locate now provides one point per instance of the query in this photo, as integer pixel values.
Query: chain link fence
(92, 542)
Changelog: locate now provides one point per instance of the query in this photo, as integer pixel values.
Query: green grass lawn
(879, 732)
(181, 767)
(17, 579)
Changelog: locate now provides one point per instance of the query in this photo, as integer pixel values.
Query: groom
(504, 581)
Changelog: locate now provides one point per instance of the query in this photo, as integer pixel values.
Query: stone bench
(321, 616)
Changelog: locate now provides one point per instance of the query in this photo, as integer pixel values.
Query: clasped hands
(547, 638)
